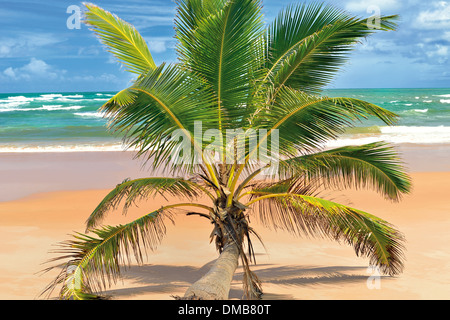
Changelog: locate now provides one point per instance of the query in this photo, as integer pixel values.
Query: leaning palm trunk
(230, 229)
(234, 73)
(215, 285)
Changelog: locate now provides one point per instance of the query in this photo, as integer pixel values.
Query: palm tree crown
(236, 73)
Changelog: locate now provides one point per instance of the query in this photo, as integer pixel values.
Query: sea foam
(61, 148)
(59, 107)
(416, 134)
(398, 134)
(89, 114)
(12, 102)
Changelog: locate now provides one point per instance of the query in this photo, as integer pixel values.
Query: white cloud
(364, 5)
(103, 78)
(146, 21)
(36, 68)
(440, 53)
(162, 9)
(157, 46)
(37, 72)
(4, 50)
(378, 45)
(446, 36)
(25, 44)
(436, 19)
(89, 51)
(9, 72)
(160, 44)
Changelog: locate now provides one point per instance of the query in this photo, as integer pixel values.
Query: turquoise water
(416, 107)
(424, 116)
(52, 121)
(71, 122)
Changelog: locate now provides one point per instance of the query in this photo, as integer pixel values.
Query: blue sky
(39, 53)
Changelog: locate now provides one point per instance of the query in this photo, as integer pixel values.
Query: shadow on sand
(173, 280)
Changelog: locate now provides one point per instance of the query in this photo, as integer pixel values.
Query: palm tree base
(215, 285)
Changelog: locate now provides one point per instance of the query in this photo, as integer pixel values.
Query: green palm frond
(120, 38)
(235, 74)
(307, 122)
(308, 43)
(306, 215)
(190, 13)
(220, 48)
(122, 98)
(130, 191)
(297, 184)
(92, 263)
(161, 103)
(372, 165)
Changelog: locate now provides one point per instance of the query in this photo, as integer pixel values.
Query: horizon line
(368, 88)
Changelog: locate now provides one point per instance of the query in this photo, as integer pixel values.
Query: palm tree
(236, 73)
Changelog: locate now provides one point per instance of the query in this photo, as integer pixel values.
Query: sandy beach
(244, 83)
(44, 197)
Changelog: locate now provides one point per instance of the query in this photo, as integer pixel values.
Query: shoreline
(35, 172)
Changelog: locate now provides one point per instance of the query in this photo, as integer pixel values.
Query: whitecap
(420, 110)
(43, 108)
(47, 107)
(416, 134)
(66, 99)
(59, 107)
(46, 99)
(89, 114)
(20, 98)
(398, 134)
(62, 148)
(12, 105)
(445, 100)
(414, 129)
(18, 109)
(51, 95)
(17, 99)
(74, 96)
(8, 109)
(57, 97)
(427, 101)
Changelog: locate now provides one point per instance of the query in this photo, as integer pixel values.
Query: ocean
(64, 122)
(55, 122)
